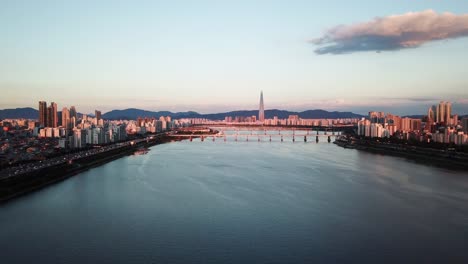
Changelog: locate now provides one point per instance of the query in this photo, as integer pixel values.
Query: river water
(244, 202)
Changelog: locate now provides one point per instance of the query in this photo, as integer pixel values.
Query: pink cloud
(394, 32)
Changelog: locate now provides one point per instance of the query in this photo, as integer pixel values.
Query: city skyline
(48, 111)
(211, 57)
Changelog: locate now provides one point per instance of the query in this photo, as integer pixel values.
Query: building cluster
(292, 120)
(76, 131)
(53, 131)
(240, 119)
(152, 125)
(439, 126)
(381, 125)
(295, 120)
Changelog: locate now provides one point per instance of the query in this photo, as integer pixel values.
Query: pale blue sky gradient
(212, 56)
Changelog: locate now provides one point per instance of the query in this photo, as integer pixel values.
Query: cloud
(394, 32)
(412, 99)
(461, 101)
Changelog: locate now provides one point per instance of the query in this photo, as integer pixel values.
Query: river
(244, 202)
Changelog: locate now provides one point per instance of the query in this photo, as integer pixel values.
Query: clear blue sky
(212, 56)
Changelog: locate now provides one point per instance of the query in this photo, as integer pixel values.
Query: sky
(398, 56)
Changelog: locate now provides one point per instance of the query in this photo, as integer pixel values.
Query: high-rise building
(73, 116)
(66, 118)
(42, 113)
(431, 113)
(415, 125)
(52, 117)
(406, 124)
(465, 125)
(98, 115)
(454, 120)
(448, 113)
(444, 111)
(55, 109)
(73, 112)
(364, 128)
(261, 111)
(377, 117)
(394, 121)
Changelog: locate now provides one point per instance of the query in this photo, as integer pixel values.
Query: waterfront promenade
(447, 157)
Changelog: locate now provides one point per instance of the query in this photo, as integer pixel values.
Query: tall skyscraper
(55, 114)
(66, 118)
(52, 117)
(448, 113)
(42, 113)
(73, 116)
(444, 112)
(98, 115)
(261, 111)
(431, 113)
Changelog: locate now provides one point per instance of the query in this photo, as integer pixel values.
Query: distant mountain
(26, 112)
(415, 116)
(134, 113)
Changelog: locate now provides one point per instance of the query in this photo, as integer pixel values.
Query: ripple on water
(244, 202)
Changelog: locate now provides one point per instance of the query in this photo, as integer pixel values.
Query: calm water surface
(244, 202)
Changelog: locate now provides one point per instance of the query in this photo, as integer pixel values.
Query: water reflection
(244, 202)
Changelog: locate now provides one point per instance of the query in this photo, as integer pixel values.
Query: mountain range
(26, 112)
(133, 113)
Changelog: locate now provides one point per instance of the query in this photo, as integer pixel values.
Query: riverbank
(26, 183)
(434, 157)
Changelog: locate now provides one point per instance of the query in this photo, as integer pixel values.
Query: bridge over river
(261, 134)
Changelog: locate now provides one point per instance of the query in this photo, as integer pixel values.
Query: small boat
(141, 151)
